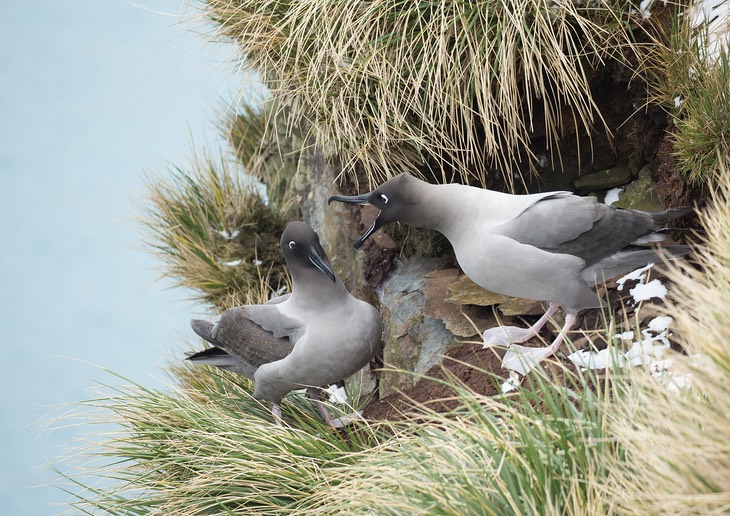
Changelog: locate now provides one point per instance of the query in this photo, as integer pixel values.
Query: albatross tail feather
(217, 355)
(220, 358)
(627, 260)
(211, 356)
(204, 329)
(662, 217)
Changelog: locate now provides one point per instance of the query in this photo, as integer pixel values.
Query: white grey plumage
(315, 336)
(551, 246)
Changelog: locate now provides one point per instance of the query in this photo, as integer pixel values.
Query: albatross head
(301, 248)
(393, 198)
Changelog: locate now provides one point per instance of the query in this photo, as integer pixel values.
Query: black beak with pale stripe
(316, 257)
(393, 198)
(351, 199)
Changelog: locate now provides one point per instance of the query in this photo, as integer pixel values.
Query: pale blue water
(92, 94)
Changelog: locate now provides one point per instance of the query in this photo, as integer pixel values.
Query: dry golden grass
(390, 86)
(677, 445)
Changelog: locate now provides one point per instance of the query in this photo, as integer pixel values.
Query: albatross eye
(384, 197)
(292, 244)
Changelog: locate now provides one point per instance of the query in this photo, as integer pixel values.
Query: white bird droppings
(612, 196)
(646, 291)
(512, 382)
(337, 394)
(637, 275)
(228, 235)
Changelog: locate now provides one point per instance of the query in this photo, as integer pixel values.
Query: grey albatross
(551, 246)
(317, 335)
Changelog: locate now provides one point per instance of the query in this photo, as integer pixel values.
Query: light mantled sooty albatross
(551, 246)
(315, 336)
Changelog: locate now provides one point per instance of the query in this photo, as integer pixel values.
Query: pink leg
(314, 395)
(521, 359)
(276, 412)
(506, 335)
(328, 419)
(555, 346)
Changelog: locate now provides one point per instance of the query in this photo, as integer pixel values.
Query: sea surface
(94, 95)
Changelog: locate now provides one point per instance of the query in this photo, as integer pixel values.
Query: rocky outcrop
(314, 183)
(603, 180)
(641, 194)
(463, 291)
(461, 319)
(414, 341)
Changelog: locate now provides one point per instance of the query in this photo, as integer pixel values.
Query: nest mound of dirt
(472, 366)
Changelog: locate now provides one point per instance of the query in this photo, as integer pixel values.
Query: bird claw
(505, 335)
(341, 422)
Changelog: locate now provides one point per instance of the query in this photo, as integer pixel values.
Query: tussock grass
(691, 80)
(261, 144)
(215, 234)
(206, 447)
(537, 451)
(702, 135)
(390, 85)
(677, 445)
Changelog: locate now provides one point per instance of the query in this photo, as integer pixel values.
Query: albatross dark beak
(358, 199)
(316, 256)
(376, 224)
(350, 199)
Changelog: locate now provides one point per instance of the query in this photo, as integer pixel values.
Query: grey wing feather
(552, 220)
(244, 337)
(626, 260)
(615, 230)
(244, 344)
(271, 319)
(277, 300)
(583, 227)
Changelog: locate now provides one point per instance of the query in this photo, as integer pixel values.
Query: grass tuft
(702, 134)
(266, 151)
(689, 76)
(206, 447)
(392, 86)
(539, 450)
(677, 444)
(215, 234)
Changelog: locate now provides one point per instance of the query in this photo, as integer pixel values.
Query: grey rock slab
(414, 341)
(603, 180)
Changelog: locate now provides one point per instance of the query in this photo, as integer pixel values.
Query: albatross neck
(424, 205)
(432, 206)
(310, 283)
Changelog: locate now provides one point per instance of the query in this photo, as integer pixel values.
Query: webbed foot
(506, 335)
(343, 421)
